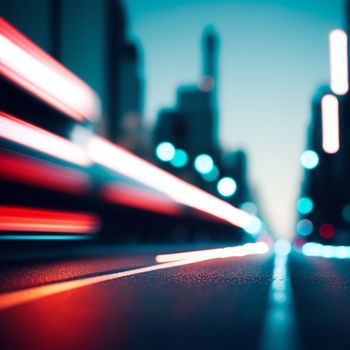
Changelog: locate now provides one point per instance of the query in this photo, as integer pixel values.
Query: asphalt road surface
(252, 302)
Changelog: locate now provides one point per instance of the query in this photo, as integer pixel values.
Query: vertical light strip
(330, 124)
(338, 43)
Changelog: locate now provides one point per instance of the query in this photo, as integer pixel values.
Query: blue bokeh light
(304, 227)
(305, 205)
(254, 226)
(227, 186)
(309, 159)
(282, 247)
(165, 151)
(212, 175)
(180, 158)
(204, 163)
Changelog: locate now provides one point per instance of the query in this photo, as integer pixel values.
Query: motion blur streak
(330, 124)
(338, 42)
(12, 299)
(26, 134)
(42, 220)
(243, 250)
(18, 168)
(124, 162)
(139, 198)
(24, 63)
(326, 251)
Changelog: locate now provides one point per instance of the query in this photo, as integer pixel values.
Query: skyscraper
(196, 107)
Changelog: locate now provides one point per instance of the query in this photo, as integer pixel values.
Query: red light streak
(140, 198)
(43, 220)
(19, 297)
(23, 169)
(28, 135)
(25, 64)
(127, 164)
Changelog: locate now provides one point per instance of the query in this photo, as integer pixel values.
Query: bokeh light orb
(227, 186)
(309, 159)
(165, 151)
(204, 163)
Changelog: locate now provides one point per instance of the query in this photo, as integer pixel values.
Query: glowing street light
(305, 205)
(212, 175)
(204, 163)
(165, 151)
(227, 186)
(338, 44)
(180, 158)
(254, 226)
(330, 124)
(309, 159)
(304, 227)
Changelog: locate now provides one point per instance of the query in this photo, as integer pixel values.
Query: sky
(273, 56)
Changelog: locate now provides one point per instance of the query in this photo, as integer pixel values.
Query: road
(250, 302)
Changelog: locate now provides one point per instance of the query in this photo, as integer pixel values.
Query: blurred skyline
(273, 56)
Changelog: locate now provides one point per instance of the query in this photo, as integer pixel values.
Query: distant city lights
(203, 163)
(304, 227)
(227, 186)
(249, 207)
(180, 159)
(330, 124)
(165, 151)
(327, 231)
(305, 205)
(338, 44)
(213, 175)
(346, 213)
(282, 247)
(309, 159)
(254, 227)
(326, 251)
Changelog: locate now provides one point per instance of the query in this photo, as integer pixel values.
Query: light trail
(136, 197)
(121, 161)
(15, 298)
(338, 43)
(243, 250)
(43, 220)
(19, 168)
(330, 124)
(280, 330)
(326, 251)
(28, 66)
(26, 134)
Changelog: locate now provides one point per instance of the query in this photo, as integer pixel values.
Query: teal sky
(273, 55)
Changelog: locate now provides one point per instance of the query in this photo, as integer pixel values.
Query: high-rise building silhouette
(326, 185)
(89, 38)
(193, 120)
(192, 125)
